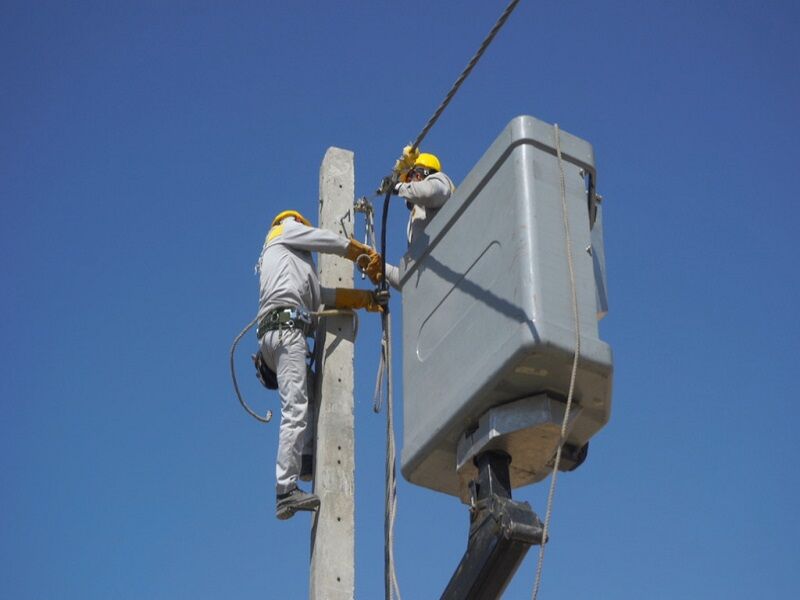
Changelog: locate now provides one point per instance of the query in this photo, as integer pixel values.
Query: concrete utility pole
(333, 532)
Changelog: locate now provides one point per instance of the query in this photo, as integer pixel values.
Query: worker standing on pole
(425, 189)
(289, 295)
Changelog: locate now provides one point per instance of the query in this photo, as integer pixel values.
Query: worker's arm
(431, 192)
(393, 276)
(311, 239)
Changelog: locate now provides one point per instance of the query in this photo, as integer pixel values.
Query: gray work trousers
(285, 353)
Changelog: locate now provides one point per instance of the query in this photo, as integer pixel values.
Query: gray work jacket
(288, 275)
(426, 198)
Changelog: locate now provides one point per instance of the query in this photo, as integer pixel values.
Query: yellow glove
(406, 162)
(367, 259)
(410, 155)
(356, 250)
(347, 298)
(374, 269)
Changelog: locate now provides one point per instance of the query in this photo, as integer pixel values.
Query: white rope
(576, 323)
(392, 586)
(377, 396)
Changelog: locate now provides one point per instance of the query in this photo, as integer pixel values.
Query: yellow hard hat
(290, 213)
(429, 161)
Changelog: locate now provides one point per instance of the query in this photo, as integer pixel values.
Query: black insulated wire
(384, 285)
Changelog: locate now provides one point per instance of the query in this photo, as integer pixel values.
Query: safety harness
(285, 318)
(281, 319)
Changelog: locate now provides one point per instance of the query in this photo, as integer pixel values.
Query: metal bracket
(501, 533)
(528, 429)
(345, 216)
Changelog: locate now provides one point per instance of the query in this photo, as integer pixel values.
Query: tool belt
(284, 318)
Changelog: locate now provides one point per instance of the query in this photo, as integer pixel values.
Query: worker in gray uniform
(425, 189)
(289, 295)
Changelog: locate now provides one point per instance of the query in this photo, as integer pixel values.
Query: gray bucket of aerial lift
(488, 319)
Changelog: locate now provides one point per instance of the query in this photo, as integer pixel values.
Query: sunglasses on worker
(419, 171)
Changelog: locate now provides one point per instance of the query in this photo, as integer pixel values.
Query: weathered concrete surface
(333, 531)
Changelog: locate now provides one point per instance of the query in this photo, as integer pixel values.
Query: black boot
(289, 503)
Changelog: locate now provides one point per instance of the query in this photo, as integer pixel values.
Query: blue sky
(144, 148)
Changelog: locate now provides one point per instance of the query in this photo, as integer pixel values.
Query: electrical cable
(465, 73)
(384, 285)
(392, 587)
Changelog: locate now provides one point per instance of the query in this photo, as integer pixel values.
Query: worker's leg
(308, 441)
(288, 351)
(307, 457)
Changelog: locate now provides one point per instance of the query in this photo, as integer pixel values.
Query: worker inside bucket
(425, 189)
(290, 295)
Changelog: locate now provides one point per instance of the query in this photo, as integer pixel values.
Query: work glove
(347, 298)
(405, 163)
(356, 250)
(410, 156)
(374, 269)
(367, 259)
